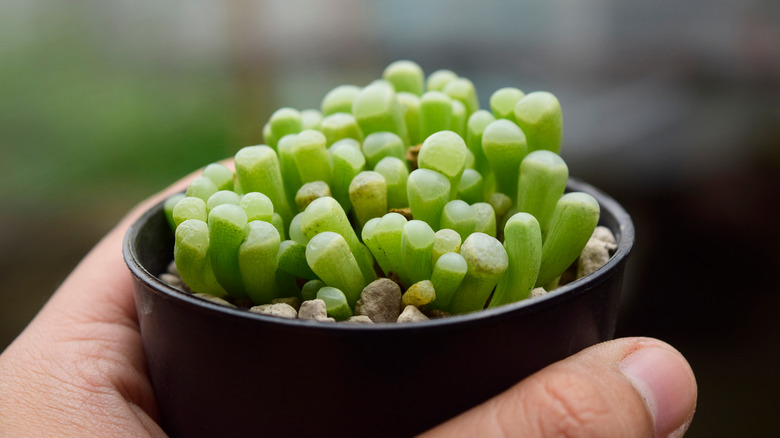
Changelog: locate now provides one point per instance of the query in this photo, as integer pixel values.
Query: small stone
(412, 314)
(314, 310)
(282, 310)
(537, 292)
(419, 294)
(172, 269)
(359, 319)
(172, 280)
(380, 301)
(295, 302)
(605, 235)
(596, 252)
(214, 299)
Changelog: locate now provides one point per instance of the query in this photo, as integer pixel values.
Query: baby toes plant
(405, 178)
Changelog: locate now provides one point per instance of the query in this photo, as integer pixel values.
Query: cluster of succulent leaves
(319, 204)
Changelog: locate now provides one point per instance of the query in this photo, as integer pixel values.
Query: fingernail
(666, 383)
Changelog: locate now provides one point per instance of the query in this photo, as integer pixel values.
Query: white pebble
(359, 319)
(380, 301)
(314, 310)
(596, 252)
(172, 280)
(281, 310)
(214, 299)
(537, 292)
(412, 314)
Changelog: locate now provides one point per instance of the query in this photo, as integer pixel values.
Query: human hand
(78, 369)
(629, 387)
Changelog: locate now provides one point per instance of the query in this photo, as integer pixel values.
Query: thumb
(632, 387)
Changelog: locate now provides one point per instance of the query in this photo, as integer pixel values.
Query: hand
(630, 387)
(78, 369)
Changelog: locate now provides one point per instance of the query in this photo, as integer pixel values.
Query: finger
(632, 387)
(110, 299)
(82, 354)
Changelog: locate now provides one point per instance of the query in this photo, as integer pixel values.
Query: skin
(78, 369)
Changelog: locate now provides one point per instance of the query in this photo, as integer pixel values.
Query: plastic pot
(218, 371)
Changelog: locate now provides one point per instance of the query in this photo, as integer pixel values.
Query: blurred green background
(671, 107)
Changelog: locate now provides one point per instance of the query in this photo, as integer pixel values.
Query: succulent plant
(404, 178)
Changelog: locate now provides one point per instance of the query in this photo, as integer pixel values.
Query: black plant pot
(218, 371)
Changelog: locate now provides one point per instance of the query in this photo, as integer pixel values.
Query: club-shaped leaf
(523, 243)
(220, 175)
(311, 156)
(396, 174)
(572, 223)
(325, 214)
(439, 79)
(336, 304)
(405, 76)
(309, 192)
(446, 153)
(539, 115)
(543, 177)
(435, 113)
(471, 187)
(222, 197)
(311, 119)
(475, 126)
(227, 226)
(368, 194)
(201, 187)
(291, 180)
(310, 289)
(411, 106)
(329, 256)
(448, 273)
(295, 230)
(189, 207)
(169, 205)
(377, 109)
(339, 100)
(459, 118)
(257, 260)
(379, 145)
(258, 207)
(347, 162)
(485, 218)
(503, 101)
(428, 191)
(338, 126)
(462, 89)
(387, 239)
(291, 258)
(457, 215)
(417, 243)
(258, 170)
(285, 121)
(445, 240)
(504, 146)
(487, 261)
(191, 253)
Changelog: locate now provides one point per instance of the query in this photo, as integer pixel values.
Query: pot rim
(624, 237)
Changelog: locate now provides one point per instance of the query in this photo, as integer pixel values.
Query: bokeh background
(672, 107)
